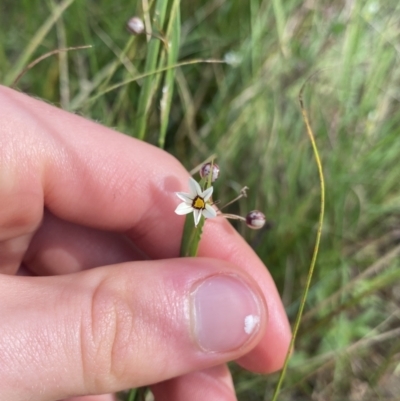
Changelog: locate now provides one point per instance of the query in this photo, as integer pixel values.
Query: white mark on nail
(250, 322)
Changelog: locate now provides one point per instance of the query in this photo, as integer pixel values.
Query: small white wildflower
(196, 201)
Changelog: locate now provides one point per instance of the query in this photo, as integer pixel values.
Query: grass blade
(36, 41)
(154, 72)
(64, 83)
(44, 56)
(149, 87)
(280, 22)
(173, 38)
(316, 246)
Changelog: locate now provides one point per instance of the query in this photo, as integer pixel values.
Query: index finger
(91, 175)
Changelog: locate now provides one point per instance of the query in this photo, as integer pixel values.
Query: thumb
(127, 325)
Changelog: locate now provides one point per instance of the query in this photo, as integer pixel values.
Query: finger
(12, 251)
(209, 384)
(127, 325)
(123, 185)
(61, 247)
(24, 271)
(103, 397)
(269, 355)
(86, 174)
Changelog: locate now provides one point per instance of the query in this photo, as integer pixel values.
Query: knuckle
(107, 334)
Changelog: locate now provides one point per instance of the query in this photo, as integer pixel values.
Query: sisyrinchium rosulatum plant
(199, 202)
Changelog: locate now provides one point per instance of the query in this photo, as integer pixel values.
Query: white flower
(196, 201)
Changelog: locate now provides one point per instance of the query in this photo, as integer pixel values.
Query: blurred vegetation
(246, 111)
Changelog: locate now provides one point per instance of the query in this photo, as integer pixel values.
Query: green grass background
(246, 111)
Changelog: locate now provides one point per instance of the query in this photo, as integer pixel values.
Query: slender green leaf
(191, 236)
(280, 20)
(36, 41)
(316, 245)
(173, 35)
(155, 72)
(149, 87)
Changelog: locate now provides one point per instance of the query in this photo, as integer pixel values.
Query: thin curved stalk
(316, 246)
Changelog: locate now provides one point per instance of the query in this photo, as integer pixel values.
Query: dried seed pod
(135, 26)
(255, 219)
(206, 169)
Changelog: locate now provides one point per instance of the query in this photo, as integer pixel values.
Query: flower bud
(206, 169)
(255, 219)
(135, 26)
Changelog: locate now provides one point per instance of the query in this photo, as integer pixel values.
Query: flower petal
(195, 189)
(207, 194)
(209, 212)
(183, 208)
(185, 197)
(197, 216)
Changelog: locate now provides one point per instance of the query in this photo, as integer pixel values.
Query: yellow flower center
(198, 203)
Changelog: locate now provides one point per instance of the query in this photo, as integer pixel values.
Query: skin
(90, 275)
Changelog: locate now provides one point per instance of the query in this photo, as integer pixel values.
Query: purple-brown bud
(255, 219)
(135, 26)
(206, 169)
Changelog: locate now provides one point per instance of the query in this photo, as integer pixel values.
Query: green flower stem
(316, 246)
(192, 235)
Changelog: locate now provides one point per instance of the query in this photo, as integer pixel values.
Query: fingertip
(98, 326)
(269, 354)
(214, 384)
(102, 397)
(221, 241)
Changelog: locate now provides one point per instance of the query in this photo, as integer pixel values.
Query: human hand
(92, 300)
